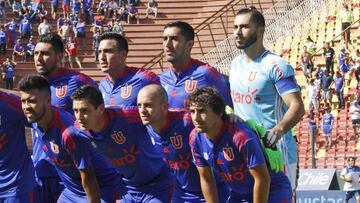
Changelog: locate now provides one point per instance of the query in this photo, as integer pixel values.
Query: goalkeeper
(235, 151)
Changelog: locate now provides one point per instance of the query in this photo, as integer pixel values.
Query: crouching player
(235, 151)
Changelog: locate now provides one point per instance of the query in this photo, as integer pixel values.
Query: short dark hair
(256, 16)
(31, 82)
(120, 40)
(90, 93)
(54, 39)
(186, 29)
(208, 96)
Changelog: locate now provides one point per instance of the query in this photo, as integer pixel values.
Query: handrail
(226, 8)
(336, 36)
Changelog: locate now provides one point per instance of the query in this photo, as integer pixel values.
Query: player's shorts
(181, 196)
(355, 121)
(327, 130)
(351, 194)
(25, 198)
(66, 8)
(48, 189)
(106, 196)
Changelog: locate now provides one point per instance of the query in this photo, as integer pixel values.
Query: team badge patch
(125, 92)
(190, 86)
(118, 137)
(60, 91)
(176, 141)
(228, 153)
(206, 156)
(54, 148)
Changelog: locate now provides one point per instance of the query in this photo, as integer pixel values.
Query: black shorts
(355, 121)
(345, 25)
(350, 194)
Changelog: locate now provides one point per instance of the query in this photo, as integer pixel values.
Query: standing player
(85, 173)
(234, 150)
(17, 179)
(48, 54)
(186, 74)
(120, 136)
(263, 87)
(170, 130)
(122, 83)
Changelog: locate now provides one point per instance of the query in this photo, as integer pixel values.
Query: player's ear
(101, 108)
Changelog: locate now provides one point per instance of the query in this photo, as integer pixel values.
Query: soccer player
(234, 150)
(122, 83)
(186, 74)
(48, 54)
(17, 180)
(87, 176)
(170, 130)
(263, 87)
(120, 136)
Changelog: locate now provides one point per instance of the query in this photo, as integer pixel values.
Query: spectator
(9, 73)
(313, 93)
(310, 46)
(152, 6)
(318, 73)
(71, 50)
(54, 7)
(19, 50)
(326, 82)
(313, 129)
(341, 56)
(306, 63)
(25, 28)
(122, 13)
(113, 6)
(345, 66)
(327, 125)
(133, 2)
(339, 89)
(117, 27)
(329, 54)
(99, 21)
(12, 31)
(133, 12)
(355, 117)
(30, 48)
(41, 13)
(350, 175)
(16, 6)
(80, 31)
(66, 8)
(96, 42)
(347, 17)
(2, 9)
(60, 22)
(44, 27)
(65, 31)
(76, 6)
(3, 41)
(103, 7)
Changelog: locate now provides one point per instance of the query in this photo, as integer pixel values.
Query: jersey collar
(57, 73)
(219, 135)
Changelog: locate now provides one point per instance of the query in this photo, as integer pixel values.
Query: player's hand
(273, 136)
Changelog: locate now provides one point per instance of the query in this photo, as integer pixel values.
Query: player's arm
(261, 183)
(208, 185)
(90, 185)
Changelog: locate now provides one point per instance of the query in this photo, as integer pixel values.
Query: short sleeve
(282, 74)
(343, 172)
(78, 147)
(253, 153)
(198, 159)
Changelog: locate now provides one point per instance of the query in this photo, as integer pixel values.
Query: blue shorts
(327, 131)
(25, 198)
(48, 189)
(107, 196)
(181, 196)
(350, 194)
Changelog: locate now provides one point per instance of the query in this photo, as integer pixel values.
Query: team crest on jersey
(54, 148)
(206, 156)
(60, 91)
(190, 86)
(125, 92)
(176, 141)
(228, 153)
(118, 137)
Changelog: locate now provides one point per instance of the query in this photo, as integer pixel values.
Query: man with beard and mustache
(121, 83)
(263, 88)
(186, 74)
(48, 54)
(86, 175)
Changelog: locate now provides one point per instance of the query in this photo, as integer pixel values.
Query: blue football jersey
(174, 142)
(235, 150)
(16, 167)
(123, 92)
(196, 75)
(127, 145)
(70, 150)
(327, 120)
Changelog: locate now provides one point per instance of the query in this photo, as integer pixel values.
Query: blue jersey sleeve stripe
(285, 85)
